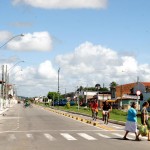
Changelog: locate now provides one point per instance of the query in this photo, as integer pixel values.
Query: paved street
(38, 129)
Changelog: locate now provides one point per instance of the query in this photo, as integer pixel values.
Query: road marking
(104, 136)
(11, 137)
(68, 136)
(119, 135)
(49, 137)
(6, 118)
(118, 127)
(86, 136)
(143, 137)
(30, 136)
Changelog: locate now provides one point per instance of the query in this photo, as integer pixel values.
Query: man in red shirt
(94, 108)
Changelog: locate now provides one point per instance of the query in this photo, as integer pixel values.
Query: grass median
(115, 114)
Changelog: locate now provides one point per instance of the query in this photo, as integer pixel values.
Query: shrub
(68, 105)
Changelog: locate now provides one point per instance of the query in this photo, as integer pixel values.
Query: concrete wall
(146, 96)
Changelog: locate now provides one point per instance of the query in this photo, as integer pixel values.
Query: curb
(110, 120)
(69, 114)
(79, 118)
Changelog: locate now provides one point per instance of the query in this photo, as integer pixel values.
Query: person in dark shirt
(106, 107)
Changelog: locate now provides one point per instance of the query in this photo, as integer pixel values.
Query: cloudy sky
(88, 41)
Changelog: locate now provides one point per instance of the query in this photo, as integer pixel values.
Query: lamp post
(7, 80)
(10, 81)
(15, 65)
(98, 86)
(78, 97)
(11, 39)
(2, 87)
(58, 85)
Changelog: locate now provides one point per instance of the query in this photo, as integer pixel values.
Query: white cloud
(4, 36)
(129, 64)
(97, 64)
(87, 64)
(38, 41)
(46, 70)
(64, 4)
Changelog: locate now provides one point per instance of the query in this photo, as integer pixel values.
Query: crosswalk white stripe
(12, 137)
(68, 136)
(143, 137)
(48, 136)
(118, 127)
(30, 136)
(86, 136)
(119, 135)
(102, 135)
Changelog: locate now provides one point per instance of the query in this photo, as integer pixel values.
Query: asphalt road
(38, 129)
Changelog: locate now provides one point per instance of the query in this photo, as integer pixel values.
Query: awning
(111, 100)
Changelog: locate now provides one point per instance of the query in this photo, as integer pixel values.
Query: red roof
(125, 89)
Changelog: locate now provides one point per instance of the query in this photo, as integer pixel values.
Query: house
(127, 93)
(101, 96)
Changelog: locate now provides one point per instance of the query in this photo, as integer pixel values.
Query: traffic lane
(40, 119)
(18, 140)
(10, 120)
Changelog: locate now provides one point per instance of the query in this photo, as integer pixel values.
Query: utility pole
(65, 92)
(121, 95)
(2, 87)
(86, 94)
(138, 93)
(6, 87)
(78, 98)
(58, 85)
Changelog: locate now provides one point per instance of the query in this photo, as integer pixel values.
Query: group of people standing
(131, 124)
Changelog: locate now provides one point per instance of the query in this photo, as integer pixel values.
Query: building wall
(146, 96)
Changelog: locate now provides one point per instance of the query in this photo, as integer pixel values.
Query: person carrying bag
(144, 119)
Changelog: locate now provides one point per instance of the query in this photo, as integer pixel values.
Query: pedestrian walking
(94, 109)
(145, 117)
(131, 123)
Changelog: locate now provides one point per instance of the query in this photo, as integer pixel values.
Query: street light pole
(15, 65)
(58, 85)
(6, 85)
(3, 74)
(11, 39)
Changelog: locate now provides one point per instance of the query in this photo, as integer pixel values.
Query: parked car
(63, 102)
(72, 103)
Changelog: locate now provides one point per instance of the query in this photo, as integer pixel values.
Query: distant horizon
(88, 42)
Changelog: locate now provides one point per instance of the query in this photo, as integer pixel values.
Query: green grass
(115, 114)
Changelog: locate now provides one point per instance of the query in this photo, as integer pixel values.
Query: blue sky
(81, 38)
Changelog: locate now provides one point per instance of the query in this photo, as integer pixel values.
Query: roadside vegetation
(115, 114)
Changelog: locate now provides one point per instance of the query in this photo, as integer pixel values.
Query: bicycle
(27, 105)
(105, 113)
(95, 112)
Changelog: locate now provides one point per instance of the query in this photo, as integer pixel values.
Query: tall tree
(113, 84)
(97, 86)
(53, 95)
